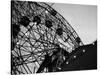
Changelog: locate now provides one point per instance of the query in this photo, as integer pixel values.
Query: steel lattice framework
(42, 40)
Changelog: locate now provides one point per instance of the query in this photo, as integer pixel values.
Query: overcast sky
(83, 18)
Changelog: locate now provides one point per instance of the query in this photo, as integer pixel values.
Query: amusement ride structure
(41, 39)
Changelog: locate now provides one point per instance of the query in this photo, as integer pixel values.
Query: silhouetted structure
(43, 41)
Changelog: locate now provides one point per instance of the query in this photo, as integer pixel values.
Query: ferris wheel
(41, 39)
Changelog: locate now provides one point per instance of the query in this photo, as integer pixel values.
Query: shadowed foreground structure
(87, 61)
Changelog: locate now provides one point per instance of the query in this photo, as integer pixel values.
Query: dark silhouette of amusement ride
(43, 41)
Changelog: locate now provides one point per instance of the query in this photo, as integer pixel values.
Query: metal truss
(42, 40)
